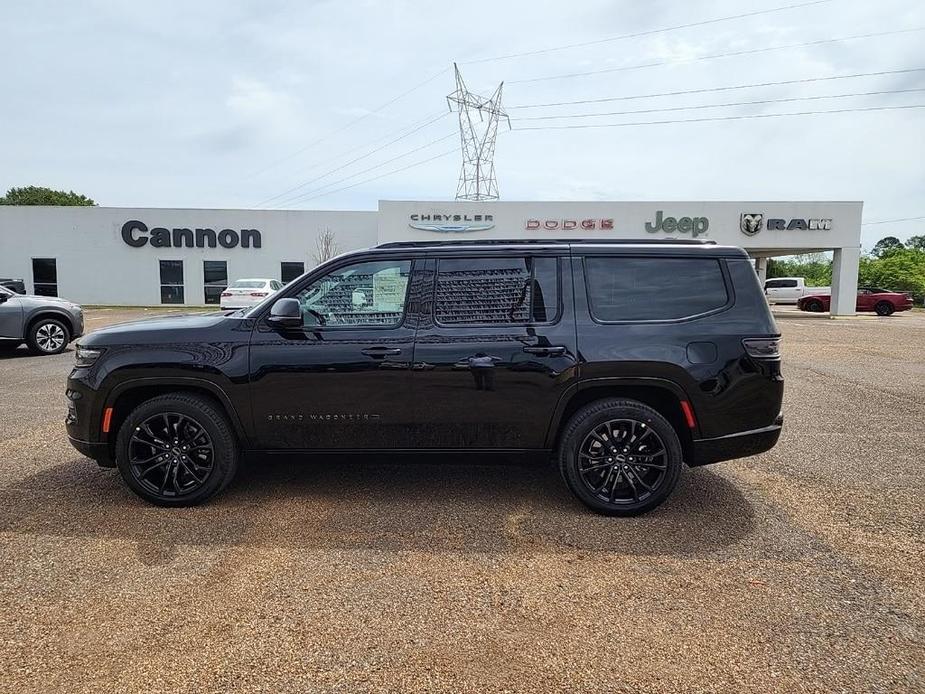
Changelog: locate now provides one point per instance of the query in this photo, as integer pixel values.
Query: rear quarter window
(646, 289)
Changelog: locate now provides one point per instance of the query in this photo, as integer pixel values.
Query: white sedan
(247, 293)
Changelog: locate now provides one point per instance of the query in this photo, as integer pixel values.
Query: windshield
(248, 284)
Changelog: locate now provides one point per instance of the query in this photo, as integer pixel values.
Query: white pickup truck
(789, 290)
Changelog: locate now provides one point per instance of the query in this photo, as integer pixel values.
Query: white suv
(247, 293)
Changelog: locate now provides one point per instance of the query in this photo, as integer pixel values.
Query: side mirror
(286, 313)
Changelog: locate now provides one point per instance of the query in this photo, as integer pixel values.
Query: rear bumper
(738, 445)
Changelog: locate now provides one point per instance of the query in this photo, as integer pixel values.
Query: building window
(215, 277)
(45, 276)
(172, 282)
(509, 291)
(289, 271)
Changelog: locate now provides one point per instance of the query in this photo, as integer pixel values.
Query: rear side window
(516, 290)
(642, 289)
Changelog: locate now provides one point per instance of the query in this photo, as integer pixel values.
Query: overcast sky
(227, 104)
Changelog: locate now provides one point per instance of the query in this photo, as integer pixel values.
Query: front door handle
(381, 351)
(556, 351)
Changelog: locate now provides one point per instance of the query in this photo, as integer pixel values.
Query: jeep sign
(695, 226)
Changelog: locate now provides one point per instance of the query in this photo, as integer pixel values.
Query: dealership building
(156, 256)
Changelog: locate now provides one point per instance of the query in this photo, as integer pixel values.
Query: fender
(616, 381)
(44, 311)
(188, 382)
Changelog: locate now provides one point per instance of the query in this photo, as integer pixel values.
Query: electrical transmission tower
(477, 177)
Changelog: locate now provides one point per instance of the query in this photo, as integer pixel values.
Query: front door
(495, 350)
(342, 381)
(10, 314)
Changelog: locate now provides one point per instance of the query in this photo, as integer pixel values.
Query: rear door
(495, 349)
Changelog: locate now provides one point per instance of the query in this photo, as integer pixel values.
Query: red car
(869, 299)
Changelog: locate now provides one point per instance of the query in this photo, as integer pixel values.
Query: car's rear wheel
(48, 336)
(884, 308)
(620, 457)
(815, 306)
(177, 450)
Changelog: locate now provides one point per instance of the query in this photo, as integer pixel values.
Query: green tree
(917, 242)
(36, 195)
(900, 270)
(886, 245)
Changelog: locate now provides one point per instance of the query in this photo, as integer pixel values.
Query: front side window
(643, 289)
(215, 280)
(171, 281)
(362, 295)
(45, 276)
(516, 290)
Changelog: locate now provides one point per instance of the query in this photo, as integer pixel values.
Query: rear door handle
(381, 351)
(546, 351)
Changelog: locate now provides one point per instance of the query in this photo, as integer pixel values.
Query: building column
(845, 281)
(761, 267)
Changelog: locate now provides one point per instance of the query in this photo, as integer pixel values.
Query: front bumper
(98, 451)
(738, 445)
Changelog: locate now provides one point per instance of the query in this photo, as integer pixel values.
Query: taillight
(762, 347)
(258, 293)
(226, 293)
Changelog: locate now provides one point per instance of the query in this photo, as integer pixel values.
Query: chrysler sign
(452, 223)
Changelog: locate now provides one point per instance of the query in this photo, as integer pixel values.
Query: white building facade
(155, 256)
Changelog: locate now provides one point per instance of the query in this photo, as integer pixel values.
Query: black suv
(623, 359)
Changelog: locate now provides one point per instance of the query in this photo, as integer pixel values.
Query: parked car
(882, 302)
(789, 290)
(249, 292)
(17, 286)
(45, 323)
(624, 360)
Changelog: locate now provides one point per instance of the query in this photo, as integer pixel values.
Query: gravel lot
(797, 570)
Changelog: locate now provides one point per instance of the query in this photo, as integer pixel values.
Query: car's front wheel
(48, 336)
(884, 308)
(177, 450)
(814, 306)
(620, 457)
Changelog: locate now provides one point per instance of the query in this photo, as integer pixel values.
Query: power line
(649, 32)
(719, 118)
(891, 221)
(312, 193)
(352, 161)
(350, 124)
(387, 173)
(713, 56)
(719, 89)
(732, 103)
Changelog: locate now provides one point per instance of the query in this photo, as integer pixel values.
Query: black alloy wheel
(177, 450)
(884, 308)
(620, 457)
(622, 461)
(171, 454)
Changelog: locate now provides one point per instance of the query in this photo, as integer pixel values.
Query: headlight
(87, 356)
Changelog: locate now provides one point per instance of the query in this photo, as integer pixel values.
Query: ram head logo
(750, 224)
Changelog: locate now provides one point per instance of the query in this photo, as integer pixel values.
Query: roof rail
(517, 242)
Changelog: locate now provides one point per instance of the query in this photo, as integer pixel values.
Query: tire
(815, 306)
(176, 475)
(884, 308)
(635, 489)
(48, 336)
